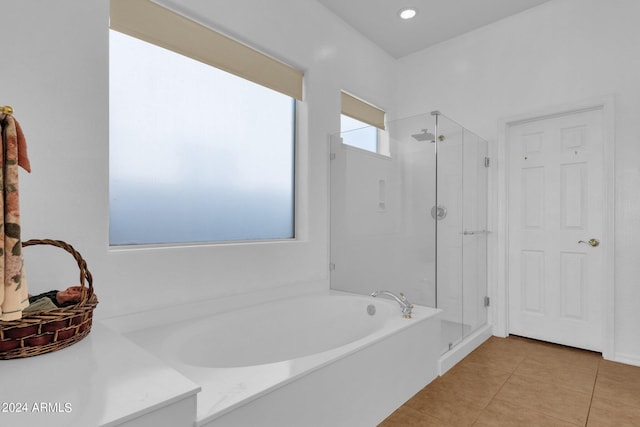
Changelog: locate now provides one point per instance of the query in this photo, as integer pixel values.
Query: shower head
(425, 135)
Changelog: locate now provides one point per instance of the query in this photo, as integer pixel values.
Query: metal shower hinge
(486, 162)
(332, 266)
(332, 156)
(487, 301)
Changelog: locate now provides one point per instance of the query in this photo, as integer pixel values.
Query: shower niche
(411, 217)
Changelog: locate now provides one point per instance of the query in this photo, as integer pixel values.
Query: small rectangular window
(361, 124)
(358, 134)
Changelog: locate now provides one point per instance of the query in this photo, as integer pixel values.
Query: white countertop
(103, 380)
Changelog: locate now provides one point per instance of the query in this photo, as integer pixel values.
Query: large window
(196, 154)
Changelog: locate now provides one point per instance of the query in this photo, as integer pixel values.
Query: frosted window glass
(195, 154)
(358, 134)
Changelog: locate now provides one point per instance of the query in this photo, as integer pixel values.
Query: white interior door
(555, 200)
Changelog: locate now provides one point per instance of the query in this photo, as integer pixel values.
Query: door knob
(591, 242)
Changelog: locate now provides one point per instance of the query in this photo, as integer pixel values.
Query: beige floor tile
(511, 343)
(613, 385)
(607, 413)
(505, 414)
(522, 382)
(473, 384)
(547, 398)
(409, 417)
(574, 377)
(619, 370)
(560, 356)
(499, 353)
(450, 409)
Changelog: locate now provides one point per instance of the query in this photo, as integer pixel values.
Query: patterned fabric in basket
(13, 293)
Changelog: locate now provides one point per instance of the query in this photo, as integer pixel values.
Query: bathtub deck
(103, 380)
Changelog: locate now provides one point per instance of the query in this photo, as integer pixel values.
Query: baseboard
(628, 359)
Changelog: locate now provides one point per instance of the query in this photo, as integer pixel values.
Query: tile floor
(520, 382)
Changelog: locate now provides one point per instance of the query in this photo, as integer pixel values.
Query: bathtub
(328, 359)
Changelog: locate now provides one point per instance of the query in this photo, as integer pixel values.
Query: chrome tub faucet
(405, 305)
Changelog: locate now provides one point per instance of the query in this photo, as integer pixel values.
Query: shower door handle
(471, 233)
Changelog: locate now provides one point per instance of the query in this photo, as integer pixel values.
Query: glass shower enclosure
(411, 217)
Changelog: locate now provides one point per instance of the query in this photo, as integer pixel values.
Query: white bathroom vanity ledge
(103, 380)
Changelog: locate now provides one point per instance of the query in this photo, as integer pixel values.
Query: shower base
(452, 333)
(463, 347)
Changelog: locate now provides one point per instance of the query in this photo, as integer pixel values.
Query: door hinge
(332, 266)
(487, 301)
(487, 161)
(332, 156)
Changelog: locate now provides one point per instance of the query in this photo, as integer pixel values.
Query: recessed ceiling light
(407, 13)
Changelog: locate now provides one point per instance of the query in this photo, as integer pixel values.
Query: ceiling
(436, 21)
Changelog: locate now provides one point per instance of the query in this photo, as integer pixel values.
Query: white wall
(382, 237)
(563, 51)
(55, 74)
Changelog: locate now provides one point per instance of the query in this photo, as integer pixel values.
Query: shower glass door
(461, 230)
(449, 200)
(474, 231)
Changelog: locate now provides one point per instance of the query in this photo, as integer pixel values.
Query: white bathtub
(319, 360)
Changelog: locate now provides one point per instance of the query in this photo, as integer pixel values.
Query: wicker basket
(46, 331)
